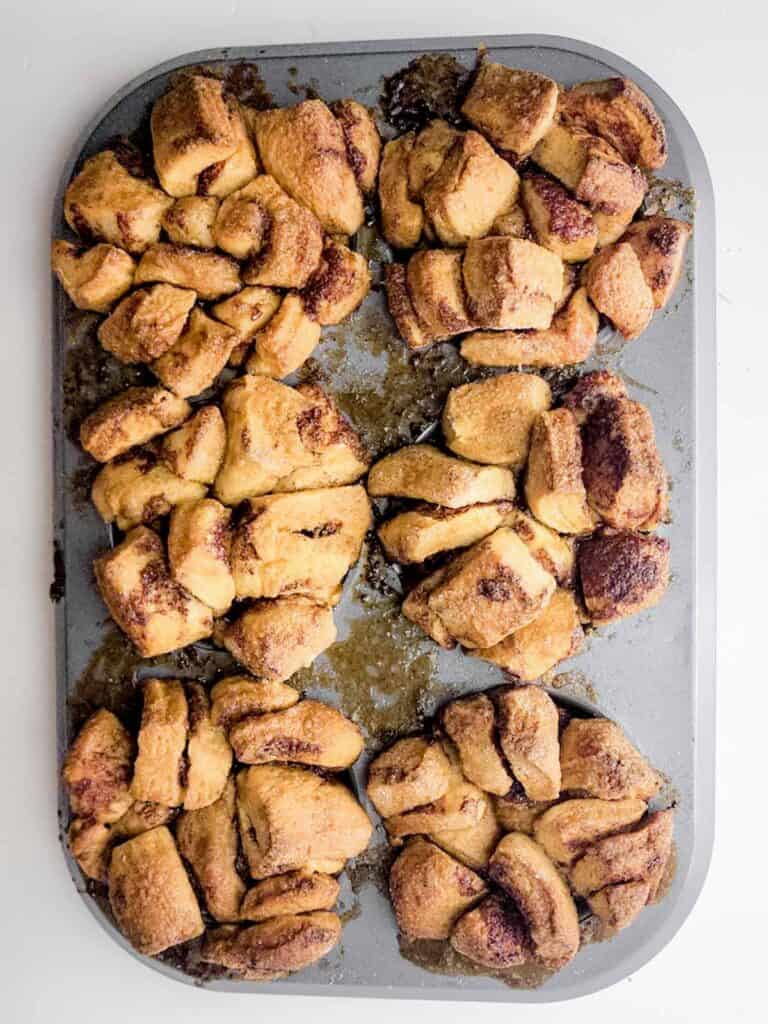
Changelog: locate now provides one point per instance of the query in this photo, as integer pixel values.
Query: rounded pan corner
(110, 929)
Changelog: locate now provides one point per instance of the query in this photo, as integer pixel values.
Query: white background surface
(61, 61)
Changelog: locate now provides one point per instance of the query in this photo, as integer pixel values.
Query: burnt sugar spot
(432, 85)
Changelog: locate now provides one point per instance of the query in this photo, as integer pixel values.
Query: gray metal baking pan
(655, 673)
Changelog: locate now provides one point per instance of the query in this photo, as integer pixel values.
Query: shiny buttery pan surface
(655, 674)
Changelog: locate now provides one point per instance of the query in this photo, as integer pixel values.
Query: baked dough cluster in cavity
(536, 521)
(515, 824)
(226, 804)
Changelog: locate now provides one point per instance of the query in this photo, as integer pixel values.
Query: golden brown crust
(490, 421)
(559, 223)
(297, 892)
(525, 873)
(338, 285)
(569, 340)
(304, 149)
(659, 243)
(516, 813)
(623, 473)
(410, 773)
(402, 220)
(639, 855)
(430, 891)
(88, 841)
(553, 552)
(427, 154)
(292, 818)
(566, 830)
(194, 127)
(150, 895)
(435, 287)
(196, 449)
(146, 323)
(130, 418)
(361, 137)
(421, 471)
(554, 484)
(554, 635)
(426, 530)
(284, 439)
(302, 543)
(207, 840)
(105, 202)
(210, 274)
(471, 188)
(493, 935)
(287, 340)
(483, 595)
(471, 725)
(622, 573)
(310, 733)
(160, 771)
(474, 844)
(514, 223)
(274, 639)
(596, 758)
(140, 817)
(592, 169)
(620, 112)
(237, 697)
(136, 586)
(194, 362)
(208, 754)
(617, 906)
(528, 732)
(511, 283)
(514, 108)
(616, 285)
(136, 488)
(401, 308)
(274, 948)
(247, 312)
(220, 179)
(93, 278)
(190, 221)
(98, 767)
(460, 808)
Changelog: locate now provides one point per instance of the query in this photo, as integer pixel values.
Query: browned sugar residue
(91, 374)
(574, 684)
(669, 198)
(441, 958)
(372, 868)
(114, 669)
(383, 673)
(390, 396)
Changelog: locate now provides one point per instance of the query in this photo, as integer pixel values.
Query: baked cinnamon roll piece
(304, 149)
(145, 602)
(130, 418)
(430, 891)
(150, 894)
(105, 202)
(93, 278)
(330, 828)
